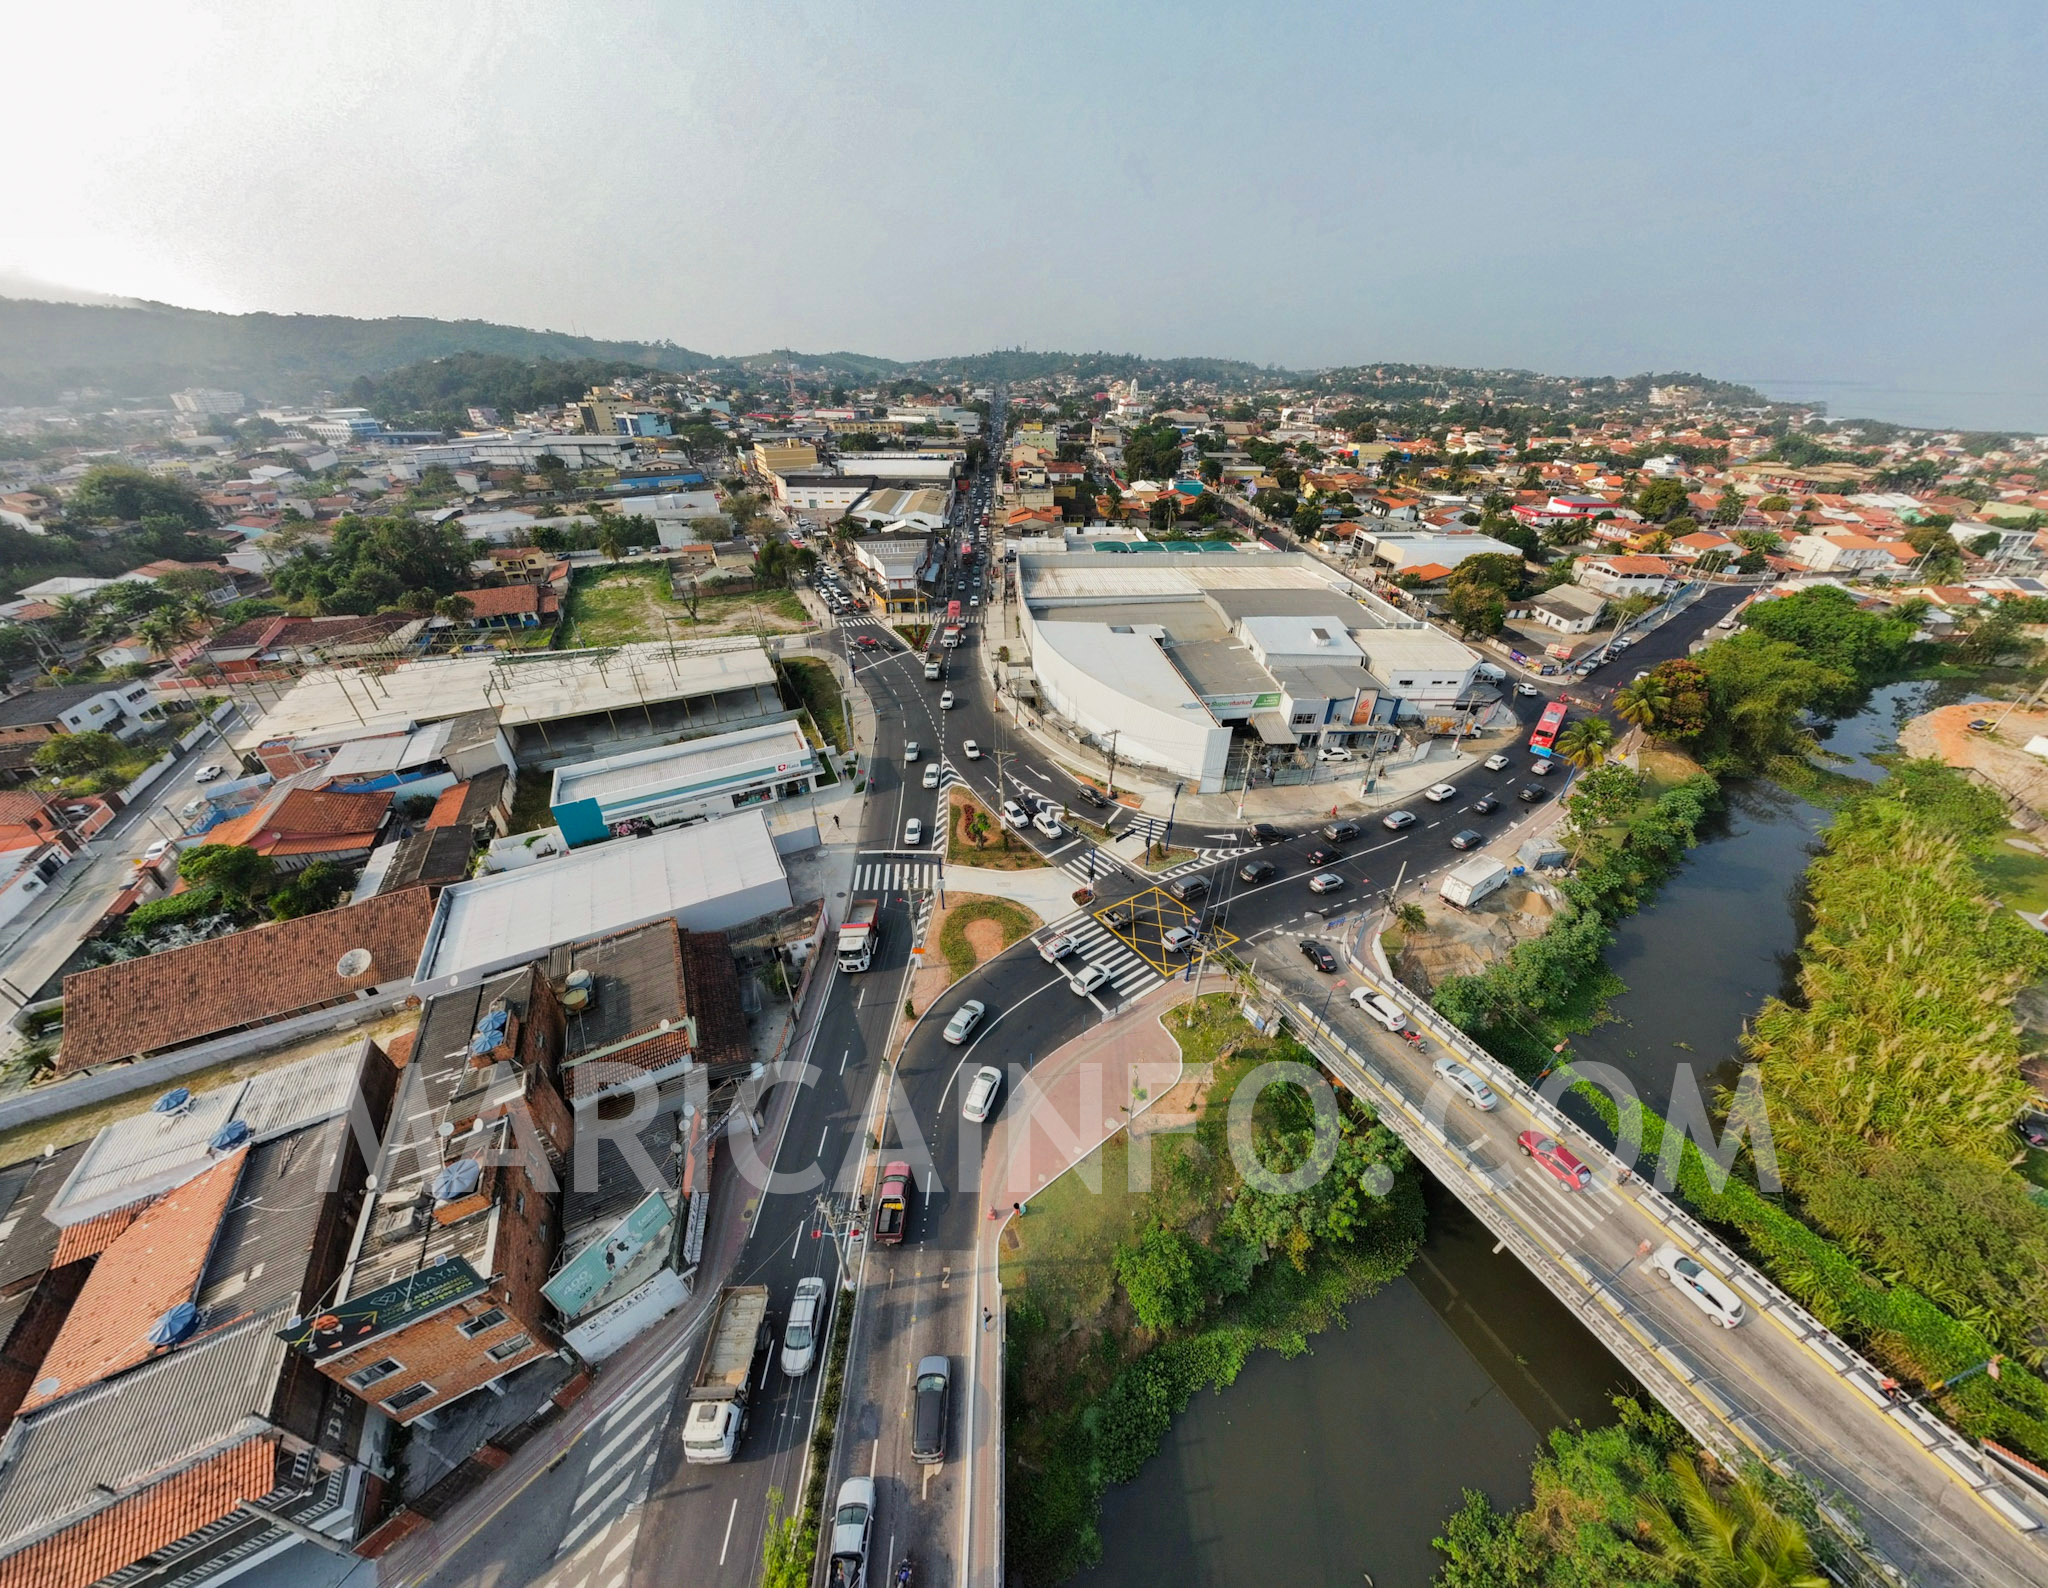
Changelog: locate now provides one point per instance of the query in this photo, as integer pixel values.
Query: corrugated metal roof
(265, 1241)
(201, 1397)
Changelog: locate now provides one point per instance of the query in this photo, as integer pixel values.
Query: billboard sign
(348, 1324)
(588, 1274)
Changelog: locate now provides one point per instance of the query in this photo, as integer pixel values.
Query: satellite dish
(356, 962)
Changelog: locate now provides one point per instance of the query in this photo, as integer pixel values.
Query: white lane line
(730, 1517)
(842, 1060)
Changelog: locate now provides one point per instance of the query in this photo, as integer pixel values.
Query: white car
(1394, 821)
(853, 1520)
(800, 1334)
(1085, 980)
(1700, 1285)
(913, 833)
(946, 700)
(1440, 792)
(1333, 752)
(931, 775)
(1495, 762)
(157, 851)
(1057, 948)
(1048, 824)
(964, 1020)
(191, 808)
(980, 1095)
(970, 749)
(911, 751)
(1378, 1006)
(1466, 1083)
(209, 772)
(1527, 689)
(1014, 816)
(1540, 767)
(1179, 940)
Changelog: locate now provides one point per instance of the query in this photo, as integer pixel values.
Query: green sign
(585, 1276)
(348, 1324)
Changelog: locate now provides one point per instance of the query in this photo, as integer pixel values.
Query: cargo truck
(718, 1394)
(1474, 880)
(859, 934)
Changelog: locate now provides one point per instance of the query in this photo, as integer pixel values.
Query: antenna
(356, 962)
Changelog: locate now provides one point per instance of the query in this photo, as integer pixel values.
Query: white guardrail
(1682, 1388)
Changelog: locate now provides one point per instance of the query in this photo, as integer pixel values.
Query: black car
(928, 1419)
(1322, 857)
(1257, 870)
(1267, 833)
(1470, 838)
(1094, 797)
(1318, 956)
(1485, 805)
(1189, 889)
(1341, 832)
(1532, 795)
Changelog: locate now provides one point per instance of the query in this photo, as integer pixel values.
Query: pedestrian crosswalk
(1130, 976)
(1089, 865)
(622, 1445)
(895, 875)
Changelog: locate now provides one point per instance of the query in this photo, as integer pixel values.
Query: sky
(1835, 201)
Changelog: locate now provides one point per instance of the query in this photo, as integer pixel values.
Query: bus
(1545, 736)
(950, 636)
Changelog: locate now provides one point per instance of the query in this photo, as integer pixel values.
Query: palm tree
(1642, 704)
(611, 540)
(455, 608)
(167, 627)
(1731, 1539)
(1585, 743)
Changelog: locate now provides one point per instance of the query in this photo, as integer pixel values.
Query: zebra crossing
(1130, 975)
(1088, 864)
(622, 1444)
(896, 874)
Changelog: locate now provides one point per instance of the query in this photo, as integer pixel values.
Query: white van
(931, 669)
(1490, 670)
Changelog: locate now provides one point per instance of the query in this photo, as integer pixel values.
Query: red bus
(1545, 736)
(950, 636)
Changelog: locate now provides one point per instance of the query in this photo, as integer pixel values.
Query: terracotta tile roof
(165, 1000)
(146, 1521)
(711, 994)
(307, 821)
(96, 1235)
(1427, 572)
(144, 1272)
(18, 805)
(447, 809)
(506, 601)
(1638, 566)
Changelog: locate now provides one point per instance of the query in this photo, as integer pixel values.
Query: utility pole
(1113, 734)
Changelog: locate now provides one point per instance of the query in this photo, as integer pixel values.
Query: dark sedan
(1532, 795)
(1257, 870)
(928, 1420)
(1485, 805)
(1470, 838)
(1322, 857)
(1267, 833)
(1319, 956)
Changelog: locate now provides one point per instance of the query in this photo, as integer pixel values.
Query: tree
(1642, 702)
(1476, 608)
(1158, 1274)
(1730, 1536)
(319, 887)
(1660, 500)
(1212, 471)
(455, 608)
(237, 874)
(1758, 689)
(1490, 569)
(611, 538)
(117, 493)
(1606, 795)
(77, 754)
(787, 1550)
(1728, 510)
(1160, 514)
(1585, 742)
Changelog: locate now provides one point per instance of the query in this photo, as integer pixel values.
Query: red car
(1555, 1160)
(865, 641)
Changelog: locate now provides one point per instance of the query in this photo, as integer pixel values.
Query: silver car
(980, 1095)
(1467, 1084)
(853, 1521)
(800, 1334)
(964, 1020)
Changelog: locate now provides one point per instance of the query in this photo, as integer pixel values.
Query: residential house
(512, 606)
(294, 826)
(1620, 577)
(1842, 552)
(37, 840)
(36, 715)
(1568, 608)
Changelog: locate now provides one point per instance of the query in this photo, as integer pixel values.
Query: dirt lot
(1999, 758)
(1465, 942)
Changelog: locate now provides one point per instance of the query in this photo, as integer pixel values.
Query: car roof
(935, 1364)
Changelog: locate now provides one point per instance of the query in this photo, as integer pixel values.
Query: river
(1345, 1461)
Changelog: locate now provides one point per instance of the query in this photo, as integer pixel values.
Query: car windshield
(1545, 1144)
(851, 1516)
(799, 1337)
(931, 1383)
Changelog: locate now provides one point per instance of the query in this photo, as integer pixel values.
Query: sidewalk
(1068, 1105)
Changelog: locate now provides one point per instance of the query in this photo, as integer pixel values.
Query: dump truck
(718, 1394)
(892, 1204)
(859, 934)
(1474, 880)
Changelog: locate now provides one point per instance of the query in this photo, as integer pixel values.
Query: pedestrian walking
(988, 1319)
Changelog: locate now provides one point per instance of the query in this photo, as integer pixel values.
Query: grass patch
(1157, 858)
(530, 795)
(2017, 878)
(975, 837)
(629, 603)
(961, 956)
(810, 685)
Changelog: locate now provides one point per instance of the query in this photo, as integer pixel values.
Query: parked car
(1257, 870)
(1379, 1007)
(1015, 816)
(1317, 955)
(931, 775)
(980, 1095)
(970, 749)
(1495, 762)
(913, 834)
(1532, 795)
(1485, 805)
(853, 1520)
(1555, 1160)
(191, 808)
(157, 851)
(1522, 687)
(1178, 940)
(1340, 832)
(928, 1414)
(1085, 980)
(1467, 838)
(800, 1334)
(1466, 1083)
(1699, 1284)
(211, 772)
(1325, 882)
(1394, 821)
(964, 1020)
(1437, 793)
(1333, 752)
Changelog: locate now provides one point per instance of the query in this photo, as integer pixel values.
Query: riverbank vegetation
(1634, 1504)
(1124, 1302)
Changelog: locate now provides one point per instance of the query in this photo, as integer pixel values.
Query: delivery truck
(1467, 884)
(718, 1394)
(859, 935)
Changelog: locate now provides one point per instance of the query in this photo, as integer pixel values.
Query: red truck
(892, 1203)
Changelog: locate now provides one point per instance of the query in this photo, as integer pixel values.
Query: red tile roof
(512, 600)
(95, 1235)
(146, 1521)
(144, 1272)
(1640, 566)
(165, 1000)
(447, 809)
(1427, 572)
(307, 821)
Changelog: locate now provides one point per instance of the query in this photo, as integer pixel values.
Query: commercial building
(773, 458)
(819, 491)
(697, 780)
(896, 569)
(709, 877)
(895, 505)
(1401, 549)
(1180, 655)
(935, 465)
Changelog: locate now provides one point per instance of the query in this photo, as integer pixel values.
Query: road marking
(842, 1060)
(625, 1432)
(730, 1517)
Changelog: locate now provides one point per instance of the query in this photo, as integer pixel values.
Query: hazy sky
(1843, 201)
